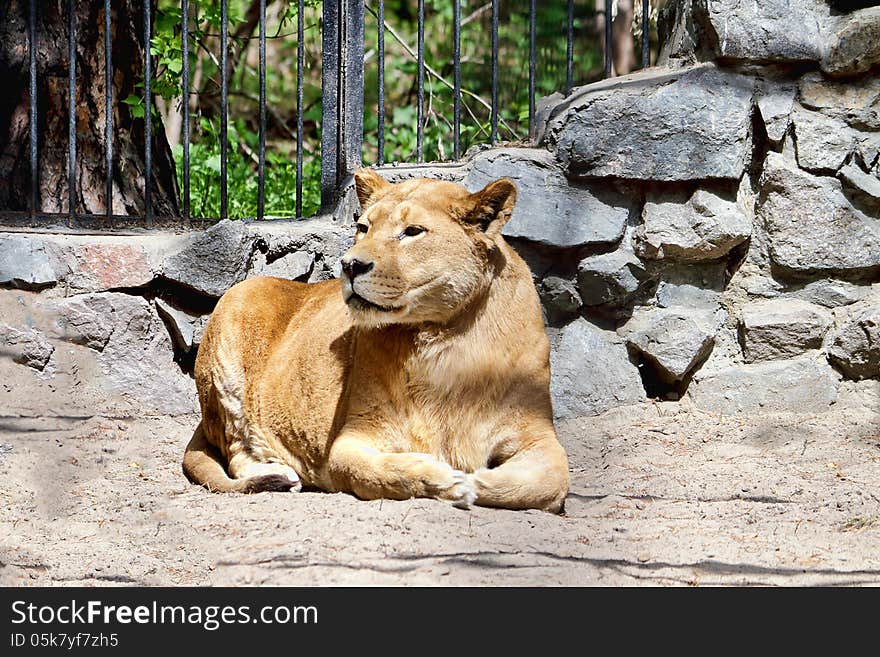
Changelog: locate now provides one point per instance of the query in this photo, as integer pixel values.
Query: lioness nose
(355, 267)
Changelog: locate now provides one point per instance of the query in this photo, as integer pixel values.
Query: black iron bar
(300, 59)
(148, 117)
(608, 39)
(184, 45)
(380, 105)
(493, 131)
(330, 81)
(108, 111)
(456, 79)
(646, 36)
(224, 103)
(32, 46)
(532, 58)
(569, 50)
(71, 113)
(261, 165)
(420, 95)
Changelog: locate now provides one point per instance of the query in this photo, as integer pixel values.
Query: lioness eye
(362, 228)
(412, 231)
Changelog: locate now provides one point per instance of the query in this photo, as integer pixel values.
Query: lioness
(423, 372)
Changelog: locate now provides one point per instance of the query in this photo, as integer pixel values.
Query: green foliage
(400, 89)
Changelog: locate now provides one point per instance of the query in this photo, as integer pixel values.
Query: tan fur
(443, 393)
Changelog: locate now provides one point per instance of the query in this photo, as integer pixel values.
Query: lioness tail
(202, 465)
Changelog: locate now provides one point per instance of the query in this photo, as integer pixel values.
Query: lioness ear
(368, 184)
(492, 206)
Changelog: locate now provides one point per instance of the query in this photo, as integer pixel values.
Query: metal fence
(342, 99)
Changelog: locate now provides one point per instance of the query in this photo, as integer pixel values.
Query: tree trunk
(52, 112)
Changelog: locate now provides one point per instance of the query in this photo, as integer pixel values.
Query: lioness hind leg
(533, 478)
(278, 475)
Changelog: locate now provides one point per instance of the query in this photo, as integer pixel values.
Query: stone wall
(707, 229)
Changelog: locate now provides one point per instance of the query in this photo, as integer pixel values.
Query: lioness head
(424, 248)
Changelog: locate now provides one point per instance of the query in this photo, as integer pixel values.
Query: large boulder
(855, 346)
(664, 126)
(610, 278)
(782, 328)
(31, 261)
(823, 142)
(804, 384)
(26, 346)
(854, 47)
(832, 294)
(765, 31)
(673, 340)
(702, 227)
(811, 226)
(560, 298)
(211, 261)
(136, 356)
(591, 372)
(549, 209)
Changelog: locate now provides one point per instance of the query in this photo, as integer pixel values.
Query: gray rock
(26, 347)
(831, 293)
(702, 227)
(138, 358)
(549, 209)
(765, 31)
(591, 372)
(864, 184)
(775, 102)
(560, 298)
(292, 266)
(30, 261)
(855, 347)
(804, 384)
(5, 450)
(186, 329)
(672, 127)
(823, 142)
(810, 224)
(838, 97)
(89, 319)
(670, 295)
(781, 328)
(609, 279)
(212, 261)
(674, 340)
(855, 46)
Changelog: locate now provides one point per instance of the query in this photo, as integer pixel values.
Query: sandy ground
(661, 494)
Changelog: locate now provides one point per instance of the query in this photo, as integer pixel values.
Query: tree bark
(52, 112)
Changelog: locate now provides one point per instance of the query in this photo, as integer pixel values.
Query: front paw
(463, 491)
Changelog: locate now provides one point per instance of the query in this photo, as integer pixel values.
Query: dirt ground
(661, 495)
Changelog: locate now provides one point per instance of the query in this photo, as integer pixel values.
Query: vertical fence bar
(646, 37)
(353, 90)
(608, 39)
(420, 92)
(32, 72)
(532, 58)
(71, 113)
(456, 79)
(299, 106)
(569, 50)
(261, 160)
(493, 131)
(148, 117)
(224, 103)
(108, 112)
(329, 102)
(380, 37)
(184, 47)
